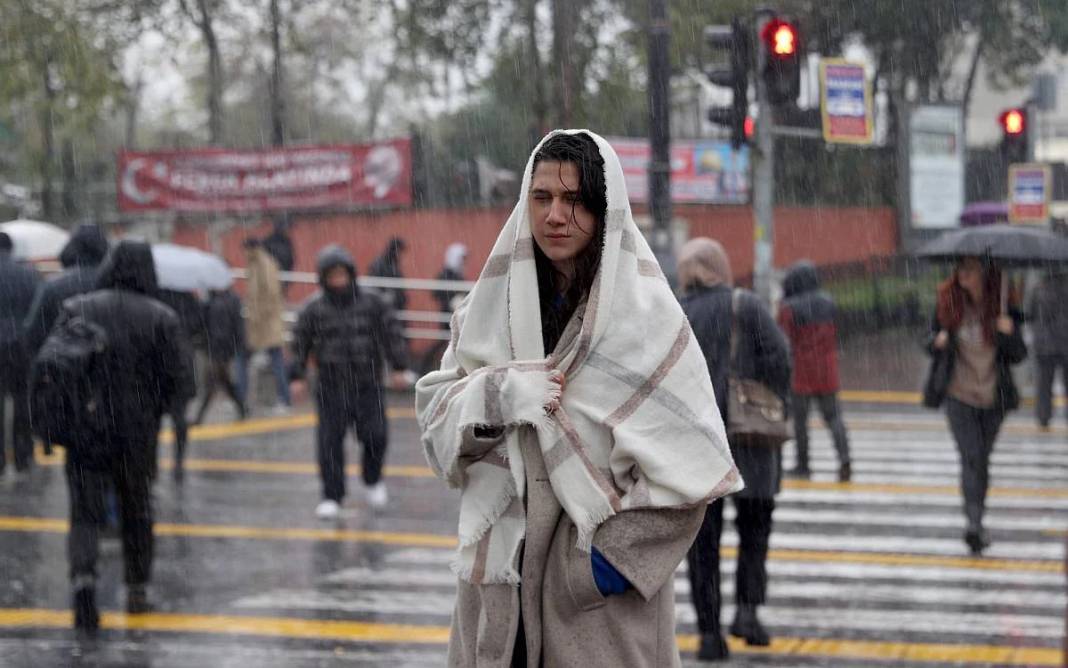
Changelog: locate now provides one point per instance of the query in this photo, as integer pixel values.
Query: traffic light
(782, 60)
(1014, 128)
(733, 44)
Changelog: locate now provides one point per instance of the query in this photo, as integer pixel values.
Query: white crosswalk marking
(881, 561)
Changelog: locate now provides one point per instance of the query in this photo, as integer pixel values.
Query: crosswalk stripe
(378, 632)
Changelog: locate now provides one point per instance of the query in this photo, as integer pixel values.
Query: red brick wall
(824, 235)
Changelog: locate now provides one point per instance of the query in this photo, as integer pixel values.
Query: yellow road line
(378, 632)
(57, 525)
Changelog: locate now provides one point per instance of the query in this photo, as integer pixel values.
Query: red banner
(297, 177)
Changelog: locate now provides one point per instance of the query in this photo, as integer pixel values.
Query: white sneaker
(377, 496)
(280, 410)
(327, 509)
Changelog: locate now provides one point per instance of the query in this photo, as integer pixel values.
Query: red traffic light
(780, 38)
(748, 126)
(1013, 121)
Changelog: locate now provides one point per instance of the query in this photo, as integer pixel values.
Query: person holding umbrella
(975, 339)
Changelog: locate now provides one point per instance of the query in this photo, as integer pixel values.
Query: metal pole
(763, 177)
(660, 137)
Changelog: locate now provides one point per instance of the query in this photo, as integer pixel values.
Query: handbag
(754, 412)
(939, 375)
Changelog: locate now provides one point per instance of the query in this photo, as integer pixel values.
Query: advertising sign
(1029, 193)
(845, 102)
(296, 177)
(701, 170)
(936, 166)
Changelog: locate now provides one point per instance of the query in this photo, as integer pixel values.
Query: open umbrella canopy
(1007, 245)
(35, 240)
(186, 269)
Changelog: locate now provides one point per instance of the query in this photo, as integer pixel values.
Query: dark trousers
(346, 399)
(87, 490)
(181, 435)
(1046, 368)
(974, 430)
(13, 382)
(219, 374)
(751, 576)
(831, 411)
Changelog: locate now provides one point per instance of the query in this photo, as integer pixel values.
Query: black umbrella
(1005, 245)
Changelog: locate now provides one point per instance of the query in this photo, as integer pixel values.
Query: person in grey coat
(1048, 314)
(763, 354)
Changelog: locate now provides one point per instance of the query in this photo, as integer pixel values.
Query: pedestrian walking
(265, 306)
(1048, 314)
(719, 312)
(973, 344)
(142, 365)
(194, 330)
(18, 285)
(387, 265)
(346, 332)
(807, 316)
(279, 246)
(225, 341)
(575, 414)
(79, 258)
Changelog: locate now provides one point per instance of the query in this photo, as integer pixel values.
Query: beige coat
(566, 620)
(264, 302)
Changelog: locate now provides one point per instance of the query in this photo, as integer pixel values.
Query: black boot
(713, 648)
(137, 600)
(86, 614)
(845, 472)
(977, 541)
(747, 626)
(800, 471)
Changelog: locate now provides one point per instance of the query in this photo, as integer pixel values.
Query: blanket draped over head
(638, 426)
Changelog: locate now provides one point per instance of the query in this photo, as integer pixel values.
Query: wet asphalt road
(872, 573)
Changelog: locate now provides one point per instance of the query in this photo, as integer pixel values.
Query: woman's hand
(1006, 325)
(558, 380)
(941, 341)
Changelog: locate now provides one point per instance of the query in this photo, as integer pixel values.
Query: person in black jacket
(763, 354)
(979, 343)
(348, 331)
(225, 341)
(146, 365)
(191, 317)
(387, 265)
(18, 284)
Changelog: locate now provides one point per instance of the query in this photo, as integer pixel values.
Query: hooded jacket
(80, 259)
(226, 328)
(147, 362)
(18, 284)
(807, 315)
(347, 329)
(387, 265)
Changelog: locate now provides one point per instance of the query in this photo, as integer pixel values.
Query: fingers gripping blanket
(638, 425)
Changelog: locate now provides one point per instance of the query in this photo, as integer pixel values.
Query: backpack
(67, 387)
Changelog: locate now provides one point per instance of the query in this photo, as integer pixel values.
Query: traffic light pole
(660, 137)
(763, 180)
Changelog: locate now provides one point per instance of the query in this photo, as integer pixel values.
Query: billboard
(1029, 193)
(276, 179)
(845, 102)
(936, 165)
(706, 171)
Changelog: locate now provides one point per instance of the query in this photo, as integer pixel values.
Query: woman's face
(561, 225)
(970, 276)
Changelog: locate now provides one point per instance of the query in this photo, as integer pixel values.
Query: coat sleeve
(771, 349)
(463, 416)
(304, 337)
(38, 323)
(391, 337)
(646, 546)
(175, 355)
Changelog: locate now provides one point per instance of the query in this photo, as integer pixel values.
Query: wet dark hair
(582, 151)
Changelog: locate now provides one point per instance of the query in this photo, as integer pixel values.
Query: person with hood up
(979, 342)
(265, 305)
(18, 285)
(346, 332)
(455, 259)
(1048, 314)
(574, 413)
(807, 316)
(387, 265)
(80, 258)
(717, 311)
(146, 365)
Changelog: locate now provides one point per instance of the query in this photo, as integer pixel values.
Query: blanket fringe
(587, 526)
(495, 512)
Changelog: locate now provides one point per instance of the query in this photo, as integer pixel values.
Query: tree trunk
(278, 128)
(68, 170)
(565, 19)
(133, 108)
(48, 142)
(541, 122)
(211, 42)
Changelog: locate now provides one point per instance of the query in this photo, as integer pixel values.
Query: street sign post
(1030, 188)
(845, 102)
